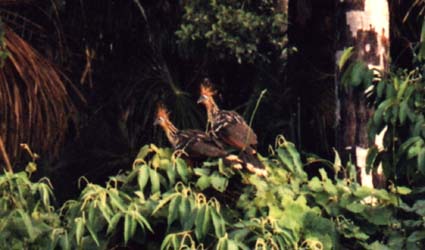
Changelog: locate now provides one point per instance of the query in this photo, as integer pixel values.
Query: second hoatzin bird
(195, 144)
(231, 128)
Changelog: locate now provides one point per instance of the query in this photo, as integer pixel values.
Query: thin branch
(5, 156)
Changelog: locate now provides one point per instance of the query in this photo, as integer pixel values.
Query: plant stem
(5, 156)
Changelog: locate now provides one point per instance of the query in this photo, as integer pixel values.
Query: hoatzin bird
(195, 144)
(231, 128)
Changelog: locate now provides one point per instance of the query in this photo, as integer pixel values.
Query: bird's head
(162, 116)
(207, 92)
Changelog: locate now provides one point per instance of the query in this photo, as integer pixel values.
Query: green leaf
(173, 210)
(129, 228)
(219, 182)
(315, 185)
(372, 153)
(79, 229)
(403, 190)
(203, 182)
(143, 177)
(362, 192)
(346, 54)
(116, 200)
(142, 222)
(337, 162)
(359, 69)
(356, 207)
(92, 234)
(143, 152)
(416, 236)
(218, 222)
(286, 159)
(155, 181)
(182, 169)
(28, 224)
(184, 210)
(171, 174)
(380, 89)
(419, 207)
(114, 222)
(202, 222)
(379, 216)
(404, 110)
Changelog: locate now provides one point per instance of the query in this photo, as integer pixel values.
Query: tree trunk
(364, 25)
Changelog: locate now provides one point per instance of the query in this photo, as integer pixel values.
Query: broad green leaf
(203, 182)
(218, 222)
(419, 207)
(182, 170)
(362, 192)
(379, 216)
(173, 210)
(315, 185)
(171, 174)
(330, 187)
(219, 182)
(143, 176)
(286, 159)
(416, 236)
(202, 222)
(356, 207)
(184, 210)
(155, 181)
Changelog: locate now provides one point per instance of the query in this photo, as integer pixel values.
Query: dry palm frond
(35, 107)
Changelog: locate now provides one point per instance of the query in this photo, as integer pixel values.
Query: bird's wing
(232, 128)
(198, 144)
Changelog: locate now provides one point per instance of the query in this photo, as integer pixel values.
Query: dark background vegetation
(124, 58)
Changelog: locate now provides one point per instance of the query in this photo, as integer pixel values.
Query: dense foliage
(247, 30)
(162, 203)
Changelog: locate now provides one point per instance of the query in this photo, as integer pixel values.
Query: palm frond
(35, 106)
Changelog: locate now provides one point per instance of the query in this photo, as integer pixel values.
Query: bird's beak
(201, 99)
(156, 122)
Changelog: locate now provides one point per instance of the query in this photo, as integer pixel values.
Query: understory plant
(163, 203)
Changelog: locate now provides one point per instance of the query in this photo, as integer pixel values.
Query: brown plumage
(194, 143)
(231, 128)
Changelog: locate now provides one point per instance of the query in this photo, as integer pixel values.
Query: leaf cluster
(243, 30)
(163, 203)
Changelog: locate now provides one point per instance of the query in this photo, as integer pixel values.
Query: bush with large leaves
(162, 203)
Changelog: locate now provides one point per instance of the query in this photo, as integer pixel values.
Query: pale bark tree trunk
(364, 25)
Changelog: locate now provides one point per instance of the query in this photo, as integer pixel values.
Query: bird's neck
(212, 110)
(171, 133)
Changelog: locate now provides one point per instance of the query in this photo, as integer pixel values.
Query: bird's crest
(207, 88)
(162, 112)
